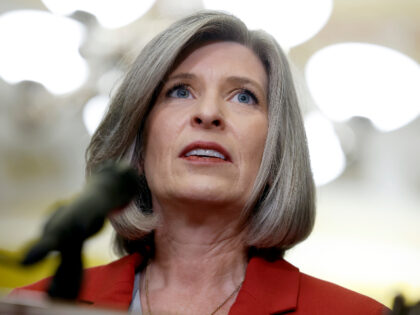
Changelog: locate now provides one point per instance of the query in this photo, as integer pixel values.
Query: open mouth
(205, 151)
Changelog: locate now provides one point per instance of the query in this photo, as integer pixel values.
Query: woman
(209, 116)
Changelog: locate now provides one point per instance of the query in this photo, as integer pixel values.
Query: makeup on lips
(205, 152)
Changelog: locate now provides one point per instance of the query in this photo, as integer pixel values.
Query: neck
(196, 246)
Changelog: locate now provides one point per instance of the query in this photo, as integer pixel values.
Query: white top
(135, 305)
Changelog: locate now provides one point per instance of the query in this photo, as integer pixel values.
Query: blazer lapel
(110, 285)
(269, 288)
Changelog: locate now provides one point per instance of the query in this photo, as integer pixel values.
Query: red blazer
(269, 288)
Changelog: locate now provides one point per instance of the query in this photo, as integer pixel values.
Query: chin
(217, 195)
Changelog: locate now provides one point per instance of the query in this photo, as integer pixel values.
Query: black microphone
(400, 307)
(112, 187)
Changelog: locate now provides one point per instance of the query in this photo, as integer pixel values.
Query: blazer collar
(110, 285)
(269, 288)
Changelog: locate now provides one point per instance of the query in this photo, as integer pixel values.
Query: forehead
(223, 58)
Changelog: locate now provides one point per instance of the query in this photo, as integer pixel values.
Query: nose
(208, 114)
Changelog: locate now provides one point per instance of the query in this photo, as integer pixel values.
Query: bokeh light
(292, 22)
(358, 79)
(39, 46)
(327, 157)
(110, 13)
(94, 111)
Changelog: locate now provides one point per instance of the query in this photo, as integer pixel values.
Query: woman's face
(205, 135)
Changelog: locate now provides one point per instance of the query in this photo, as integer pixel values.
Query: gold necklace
(212, 313)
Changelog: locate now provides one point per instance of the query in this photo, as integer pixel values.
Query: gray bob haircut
(281, 209)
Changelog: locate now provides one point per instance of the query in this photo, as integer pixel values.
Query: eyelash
(185, 86)
(175, 87)
(251, 94)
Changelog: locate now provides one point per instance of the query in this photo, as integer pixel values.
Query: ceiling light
(357, 79)
(94, 111)
(39, 46)
(291, 22)
(110, 13)
(327, 157)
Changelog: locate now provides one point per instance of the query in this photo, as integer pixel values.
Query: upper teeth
(205, 152)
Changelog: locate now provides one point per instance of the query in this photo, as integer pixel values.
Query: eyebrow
(232, 79)
(243, 81)
(187, 76)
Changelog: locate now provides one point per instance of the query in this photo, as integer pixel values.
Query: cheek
(153, 145)
(255, 152)
(256, 137)
(157, 132)
(162, 131)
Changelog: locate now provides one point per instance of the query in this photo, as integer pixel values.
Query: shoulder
(121, 270)
(279, 287)
(329, 298)
(110, 283)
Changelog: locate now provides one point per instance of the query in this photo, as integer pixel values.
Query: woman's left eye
(246, 97)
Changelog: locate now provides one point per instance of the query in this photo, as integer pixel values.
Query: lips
(207, 150)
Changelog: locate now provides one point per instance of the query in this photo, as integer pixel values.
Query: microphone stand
(67, 279)
(112, 187)
(400, 307)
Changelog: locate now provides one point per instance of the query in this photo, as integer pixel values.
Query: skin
(200, 254)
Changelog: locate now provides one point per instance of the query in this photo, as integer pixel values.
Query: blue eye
(246, 97)
(179, 91)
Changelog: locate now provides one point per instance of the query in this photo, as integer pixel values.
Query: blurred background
(356, 65)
